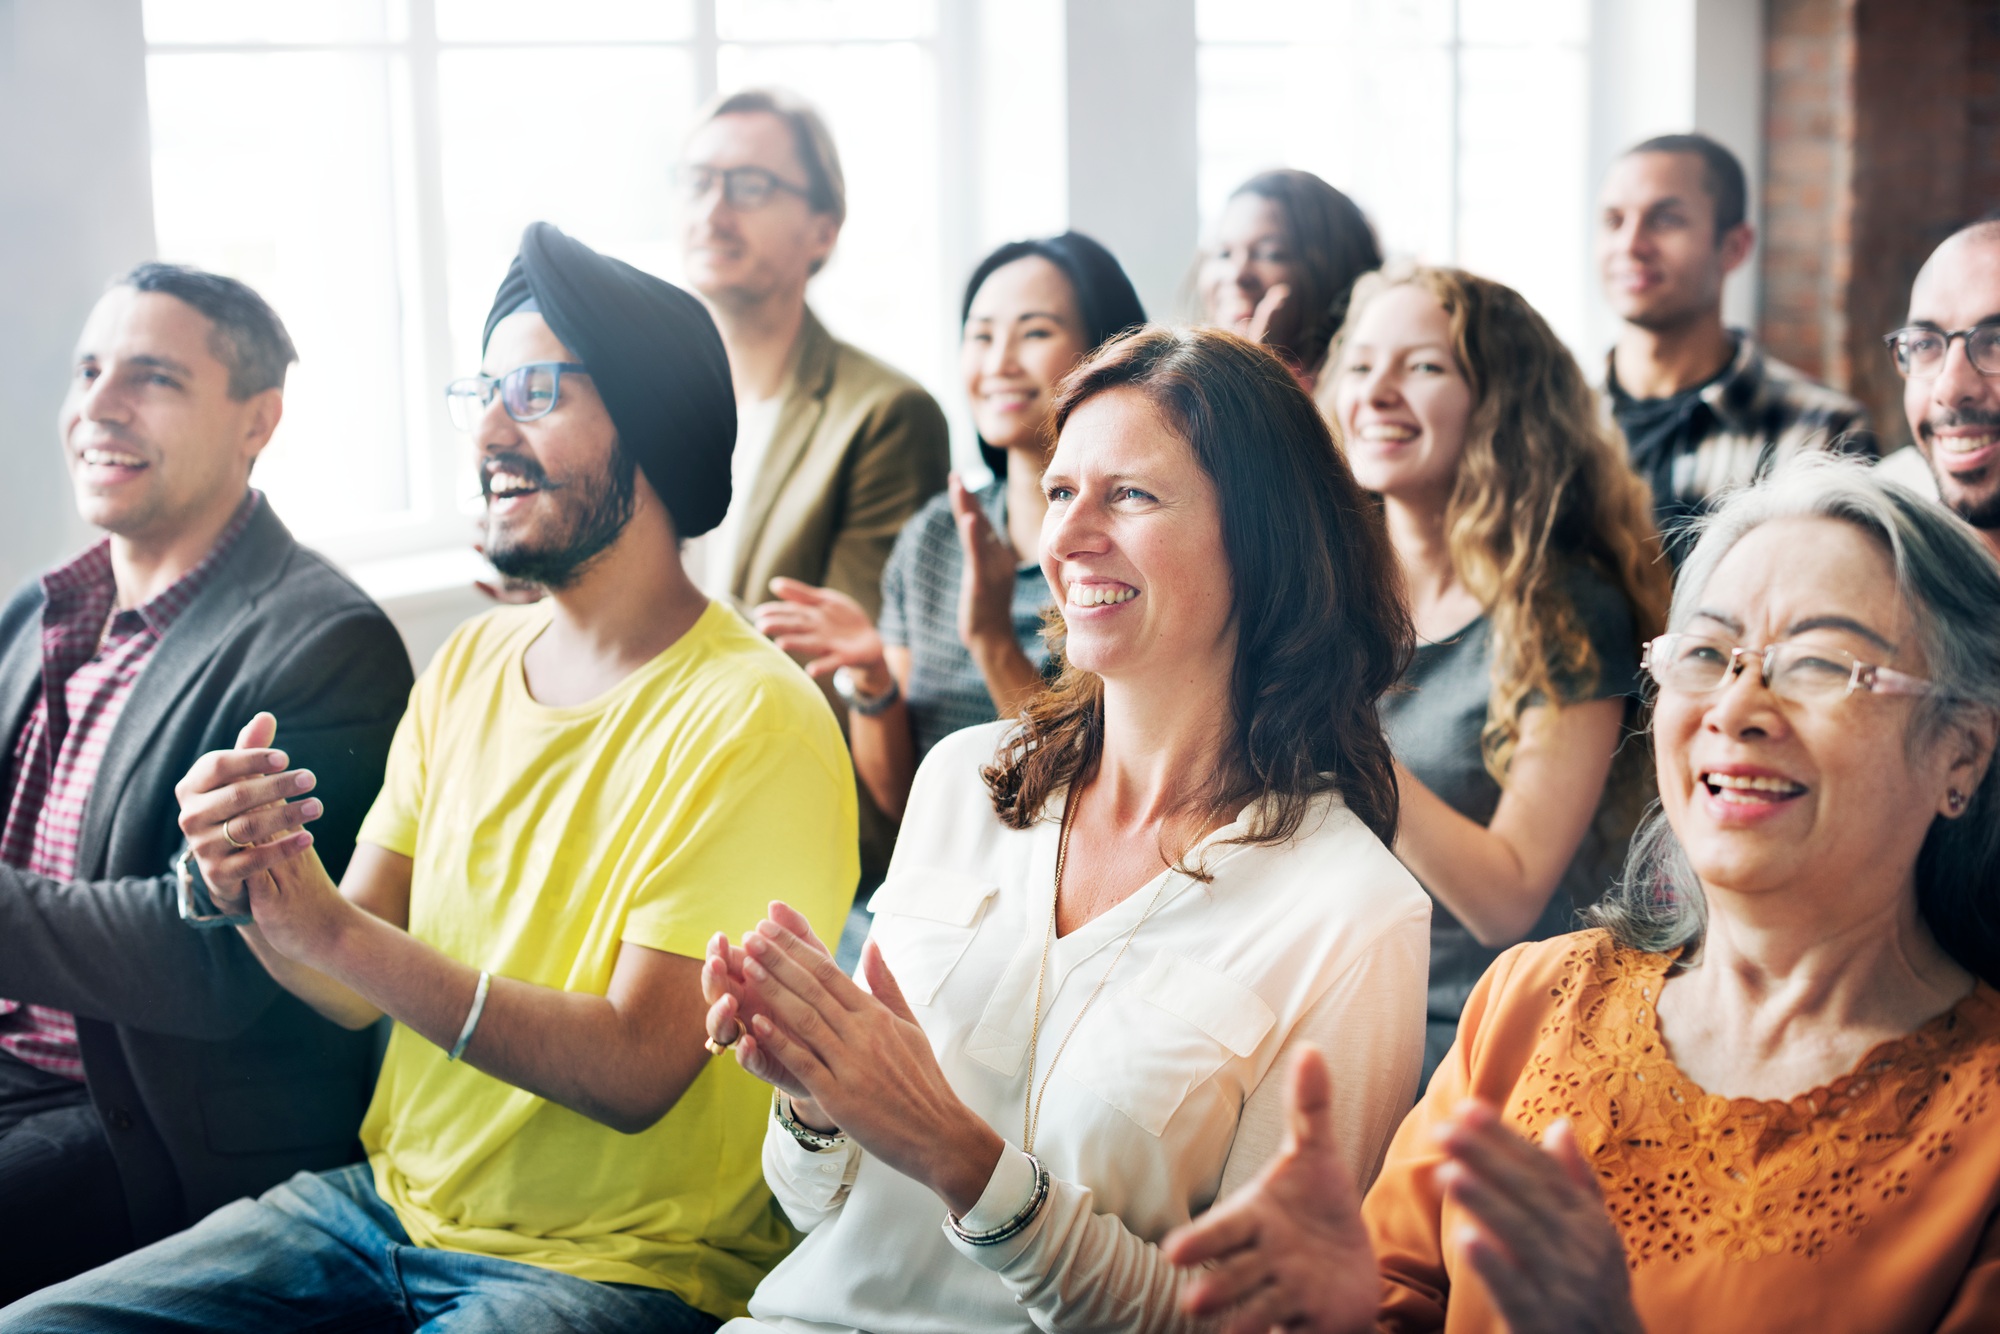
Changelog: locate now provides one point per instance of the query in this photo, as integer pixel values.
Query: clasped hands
(244, 813)
(1290, 1251)
(849, 1059)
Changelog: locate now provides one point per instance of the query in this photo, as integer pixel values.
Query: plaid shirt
(92, 655)
(1740, 425)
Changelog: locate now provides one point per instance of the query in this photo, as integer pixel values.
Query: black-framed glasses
(527, 392)
(1790, 669)
(1920, 351)
(743, 187)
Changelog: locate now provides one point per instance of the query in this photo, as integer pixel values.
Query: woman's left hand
(986, 591)
(866, 1062)
(1539, 1235)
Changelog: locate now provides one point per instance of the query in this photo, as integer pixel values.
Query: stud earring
(1955, 800)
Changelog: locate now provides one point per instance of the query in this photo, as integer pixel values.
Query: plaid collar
(85, 591)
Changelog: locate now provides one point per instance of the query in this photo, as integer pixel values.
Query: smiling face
(1766, 794)
(743, 257)
(1658, 256)
(558, 489)
(1249, 254)
(155, 444)
(1955, 414)
(1133, 547)
(1400, 398)
(1023, 333)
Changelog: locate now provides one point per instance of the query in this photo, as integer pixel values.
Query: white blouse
(1170, 1091)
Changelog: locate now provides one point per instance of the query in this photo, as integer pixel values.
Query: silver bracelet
(818, 1141)
(471, 1017)
(1014, 1226)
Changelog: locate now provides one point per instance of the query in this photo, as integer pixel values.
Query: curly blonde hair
(1542, 488)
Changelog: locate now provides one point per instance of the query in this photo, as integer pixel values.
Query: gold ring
(716, 1048)
(231, 837)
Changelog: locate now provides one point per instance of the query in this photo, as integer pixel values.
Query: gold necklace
(1031, 1110)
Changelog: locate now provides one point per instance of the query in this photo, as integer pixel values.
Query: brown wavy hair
(1542, 488)
(1321, 628)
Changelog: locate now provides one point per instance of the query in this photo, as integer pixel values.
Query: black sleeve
(117, 950)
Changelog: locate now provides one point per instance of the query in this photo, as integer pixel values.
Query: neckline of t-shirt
(1453, 639)
(635, 681)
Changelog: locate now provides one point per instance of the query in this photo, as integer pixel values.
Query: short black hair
(248, 337)
(1721, 173)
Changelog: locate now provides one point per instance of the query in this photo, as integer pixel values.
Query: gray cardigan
(212, 1083)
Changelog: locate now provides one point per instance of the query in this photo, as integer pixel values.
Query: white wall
(1131, 138)
(76, 209)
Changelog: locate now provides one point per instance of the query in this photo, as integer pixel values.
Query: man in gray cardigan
(150, 1069)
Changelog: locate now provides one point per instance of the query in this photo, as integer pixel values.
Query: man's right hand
(239, 814)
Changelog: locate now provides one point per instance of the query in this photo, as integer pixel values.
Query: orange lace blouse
(1867, 1205)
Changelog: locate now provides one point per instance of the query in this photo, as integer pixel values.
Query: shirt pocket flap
(951, 898)
(1213, 1002)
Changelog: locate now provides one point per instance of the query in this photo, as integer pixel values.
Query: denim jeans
(323, 1253)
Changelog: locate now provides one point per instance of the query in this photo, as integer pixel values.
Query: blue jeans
(323, 1253)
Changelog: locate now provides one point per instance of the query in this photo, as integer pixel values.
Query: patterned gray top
(920, 613)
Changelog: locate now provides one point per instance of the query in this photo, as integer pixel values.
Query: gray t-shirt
(920, 612)
(1434, 720)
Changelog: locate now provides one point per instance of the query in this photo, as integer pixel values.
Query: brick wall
(1882, 135)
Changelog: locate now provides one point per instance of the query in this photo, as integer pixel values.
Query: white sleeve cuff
(1007, 1193)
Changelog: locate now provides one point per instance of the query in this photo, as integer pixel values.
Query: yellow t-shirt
(679, 803)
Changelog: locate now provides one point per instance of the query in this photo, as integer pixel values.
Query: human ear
(1737, 243)
(264, 411)
(1969, 745)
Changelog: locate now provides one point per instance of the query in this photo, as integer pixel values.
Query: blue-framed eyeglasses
(527, 392)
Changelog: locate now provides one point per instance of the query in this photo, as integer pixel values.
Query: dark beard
(597, 509)
(1983, 514)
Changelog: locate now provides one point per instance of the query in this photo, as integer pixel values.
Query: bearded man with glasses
(583, 791)
(834, 449)
(1949, 354)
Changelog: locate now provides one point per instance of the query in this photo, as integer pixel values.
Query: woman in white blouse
(1105, 925)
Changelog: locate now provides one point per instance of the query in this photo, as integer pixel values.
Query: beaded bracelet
(1014, 1226)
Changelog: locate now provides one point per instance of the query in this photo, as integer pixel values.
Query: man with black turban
(583, 792)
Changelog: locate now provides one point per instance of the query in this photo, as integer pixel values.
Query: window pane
(185, 21)
(297, 200)
(822, 20)
(591, 151)
(1524, 22)
(881, 289)
(1371, 117)
(576, 21)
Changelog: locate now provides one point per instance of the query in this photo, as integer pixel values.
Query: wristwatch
(868, 706)
(196, 907)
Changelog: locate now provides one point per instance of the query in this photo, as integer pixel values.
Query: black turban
(654, 355)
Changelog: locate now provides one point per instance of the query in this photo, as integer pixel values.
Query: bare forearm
(1010, 678)
(885, 755)
(1467, 867)
(331, 999)
(568, 1047)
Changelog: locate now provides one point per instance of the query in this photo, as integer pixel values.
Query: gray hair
(1952, 586)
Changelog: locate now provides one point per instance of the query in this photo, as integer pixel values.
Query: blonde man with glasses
(834, 449)
(1949, 354)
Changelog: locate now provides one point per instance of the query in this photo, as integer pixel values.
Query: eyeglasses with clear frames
(1800, 672)
(527, 392)
(1920, 352)
(744, 188)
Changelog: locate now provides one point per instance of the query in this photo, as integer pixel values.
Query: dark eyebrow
(161, 363)
(1847, 623)
(1935, 327)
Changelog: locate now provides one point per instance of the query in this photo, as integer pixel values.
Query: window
(369, 165)
(1460, 126)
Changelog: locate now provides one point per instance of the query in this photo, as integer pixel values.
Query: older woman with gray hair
(1765, 1092)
